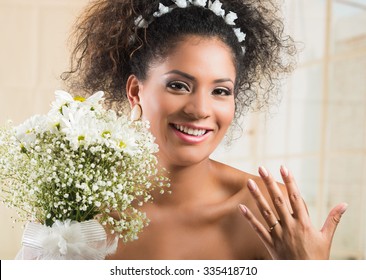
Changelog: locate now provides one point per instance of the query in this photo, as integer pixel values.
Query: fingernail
(344, 208)
(243, 209)
(284, 170)
(252, 185)
(263, 171)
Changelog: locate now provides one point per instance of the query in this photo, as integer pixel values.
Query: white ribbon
(67, 240)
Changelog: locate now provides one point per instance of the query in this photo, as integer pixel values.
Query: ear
(133, 87)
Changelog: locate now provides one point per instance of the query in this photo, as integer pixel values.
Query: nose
(198, 105)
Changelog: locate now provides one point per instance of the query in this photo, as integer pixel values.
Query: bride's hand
(291, 235)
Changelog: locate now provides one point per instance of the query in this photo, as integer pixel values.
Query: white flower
(216, 8)
(80, 128)
(181, 3)
(201, 3)
(63, 98)
(27, 131)
(162, 10)
(230, 18)
(124, 138)
(239, 34)
(93, 102)
(53, 124)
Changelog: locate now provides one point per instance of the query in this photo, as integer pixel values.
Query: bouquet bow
(69, 240)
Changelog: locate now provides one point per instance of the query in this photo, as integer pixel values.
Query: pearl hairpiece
(215, 6)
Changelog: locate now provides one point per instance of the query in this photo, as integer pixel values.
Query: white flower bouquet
(76, 171)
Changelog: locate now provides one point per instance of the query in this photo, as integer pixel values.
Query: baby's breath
(70, 164)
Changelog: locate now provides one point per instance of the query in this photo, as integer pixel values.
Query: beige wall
(319, 130)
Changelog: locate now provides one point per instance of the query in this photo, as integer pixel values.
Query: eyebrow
(190, 77)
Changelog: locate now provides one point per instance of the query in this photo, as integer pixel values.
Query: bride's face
(189, 100)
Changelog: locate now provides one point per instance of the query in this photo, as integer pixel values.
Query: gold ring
(272, 227)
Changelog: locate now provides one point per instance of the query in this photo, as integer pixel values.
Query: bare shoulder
(236, 180)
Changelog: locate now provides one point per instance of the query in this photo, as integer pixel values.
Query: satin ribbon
(68, 240)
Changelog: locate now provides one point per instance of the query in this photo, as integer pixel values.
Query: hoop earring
(136, 113)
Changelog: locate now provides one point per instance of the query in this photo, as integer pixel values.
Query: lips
(191, 134)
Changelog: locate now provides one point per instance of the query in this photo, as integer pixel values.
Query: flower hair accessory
(215, 6)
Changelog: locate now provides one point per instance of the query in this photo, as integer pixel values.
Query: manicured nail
(243, 209)
(252, 185)
(263, 171)
(284, 171)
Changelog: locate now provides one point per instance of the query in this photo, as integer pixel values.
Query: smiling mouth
(190, 131)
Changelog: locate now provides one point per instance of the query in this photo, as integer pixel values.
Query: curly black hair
(109, 47)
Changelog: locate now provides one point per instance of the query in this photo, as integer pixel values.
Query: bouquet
(76, 171)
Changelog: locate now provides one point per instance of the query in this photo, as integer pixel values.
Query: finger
(333, 220)
(297, 202)
(257, 226)
(262, 204)
(277, 196)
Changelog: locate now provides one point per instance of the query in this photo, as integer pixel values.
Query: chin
(186, 158)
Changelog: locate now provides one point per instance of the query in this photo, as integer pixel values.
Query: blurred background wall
(318, 130)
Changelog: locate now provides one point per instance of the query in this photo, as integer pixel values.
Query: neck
(190, 185)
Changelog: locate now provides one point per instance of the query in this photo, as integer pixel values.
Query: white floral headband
(215, 7)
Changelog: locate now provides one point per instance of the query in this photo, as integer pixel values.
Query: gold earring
(136, 112)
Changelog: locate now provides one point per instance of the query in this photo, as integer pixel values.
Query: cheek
(156, 107)
(225, 114)
(150, 103)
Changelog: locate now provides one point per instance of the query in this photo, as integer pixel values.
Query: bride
(192, 68)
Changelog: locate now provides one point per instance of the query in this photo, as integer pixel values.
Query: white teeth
(190, 131)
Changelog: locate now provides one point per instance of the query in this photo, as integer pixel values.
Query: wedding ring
(272, 227)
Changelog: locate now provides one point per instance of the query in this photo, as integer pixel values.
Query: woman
(191, 68)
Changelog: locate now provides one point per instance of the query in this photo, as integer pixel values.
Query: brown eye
(222, 92)
(178, 86)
